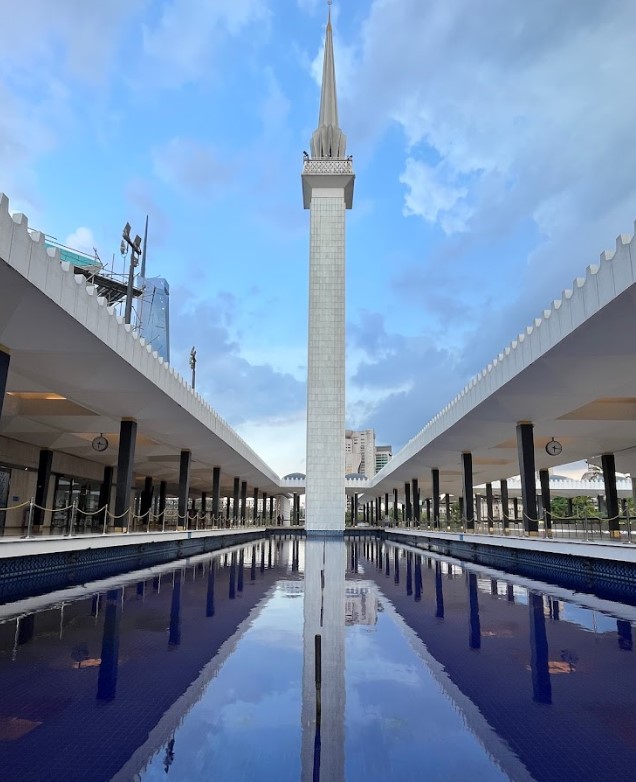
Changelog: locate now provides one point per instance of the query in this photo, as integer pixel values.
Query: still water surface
(324, 660)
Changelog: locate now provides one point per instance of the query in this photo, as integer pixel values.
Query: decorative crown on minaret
(328, 141)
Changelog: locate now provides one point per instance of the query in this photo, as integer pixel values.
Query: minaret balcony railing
(328, 165)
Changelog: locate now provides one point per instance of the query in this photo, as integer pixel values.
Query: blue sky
(493, 147)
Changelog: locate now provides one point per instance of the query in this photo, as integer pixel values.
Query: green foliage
(582, 507)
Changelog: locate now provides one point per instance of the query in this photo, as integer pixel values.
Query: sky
(493, 145)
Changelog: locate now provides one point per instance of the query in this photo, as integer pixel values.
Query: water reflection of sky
(247, 723)
(399, 722)
(428, 670)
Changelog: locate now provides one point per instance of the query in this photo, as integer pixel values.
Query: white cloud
(523, 104)
(81, 239)
(182, 45)
(279, 441)
(190, 165)
(431, 197)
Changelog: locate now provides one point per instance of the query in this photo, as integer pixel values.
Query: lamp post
(135, 252)
(193, 365)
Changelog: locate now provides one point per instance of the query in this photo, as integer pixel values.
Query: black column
(145, 503)
(255, 512)
(243, 501)
(184, 487)
(216, 494)
(163, 486)
(125, 463)
(355, 509)
(271, 509)
(42, 487)
(447, 502)
(4, 372)
(611, 495)
(416, 500)
(544, 478)
(504, 503)
(395, 506)
(104, 492)
(435, 479)
(296, 508)
(264, 513)
(235, 500)
(407, 502)
(469, 500)
(525, 449)
(109, 663)
(386, 505)
(489, 506)
(539, 657)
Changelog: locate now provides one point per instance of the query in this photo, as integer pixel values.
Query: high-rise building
(327, 180)
(154, 315)
(383, 454)
(360, 452)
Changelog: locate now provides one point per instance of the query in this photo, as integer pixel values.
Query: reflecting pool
(317, 660)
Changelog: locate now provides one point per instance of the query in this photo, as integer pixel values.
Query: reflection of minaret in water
(323, 660)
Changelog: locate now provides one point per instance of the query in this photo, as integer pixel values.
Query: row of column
(124, 487)
(525, 449)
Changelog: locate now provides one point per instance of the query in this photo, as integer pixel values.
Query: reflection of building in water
(361, 606)
(323, 660)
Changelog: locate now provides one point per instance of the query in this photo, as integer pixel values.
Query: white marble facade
(325, 495)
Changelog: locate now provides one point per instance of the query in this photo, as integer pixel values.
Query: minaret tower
(327, 192)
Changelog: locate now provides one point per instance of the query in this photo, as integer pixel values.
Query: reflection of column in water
(474, 635)
(624, 635)
(253, 566)
(141, 589)
(396, 566)
(209, 602)
(380, 552)
(25, 629)
(232, 582)
(107, 677)
(263, 557)
(510, 593)
(241, 569)
(554, 609)
(439, 593)
(418, 578)
(95, 605)
(323, 674)
(174, 632)
(539, 661)
(387, 570)
(269, 555)
(494, 589)
(409, 573)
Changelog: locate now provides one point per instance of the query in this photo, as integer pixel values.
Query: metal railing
(619, 529)
(102, 522)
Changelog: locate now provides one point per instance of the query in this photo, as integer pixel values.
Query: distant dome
(355, 476)
(295, 476)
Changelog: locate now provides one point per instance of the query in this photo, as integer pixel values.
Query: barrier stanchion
(30, 518)
(72, 524)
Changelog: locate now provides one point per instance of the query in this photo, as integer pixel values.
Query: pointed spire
(328, 140)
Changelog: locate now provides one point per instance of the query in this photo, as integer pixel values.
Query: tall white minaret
(327, 191)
